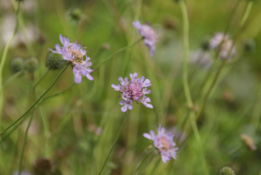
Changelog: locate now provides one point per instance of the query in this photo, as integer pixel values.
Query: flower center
(78, 57)
(165, 144)
(134, 90)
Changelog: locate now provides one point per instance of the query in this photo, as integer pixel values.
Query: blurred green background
(82, 120)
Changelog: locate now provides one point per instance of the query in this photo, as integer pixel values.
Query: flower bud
(54, 61)
(249, 45)
(17, 65)
(31, 64)
(75, 15)
(227, 171)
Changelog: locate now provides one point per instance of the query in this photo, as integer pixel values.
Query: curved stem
(34, 104)
(3, 60)
(118, 51)
(186, 53)
(114, 142)
(186, 85)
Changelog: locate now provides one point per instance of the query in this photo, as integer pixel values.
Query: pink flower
(223, 43)
(134, 89)
(148, 34)
(75, 53)
(163, 141)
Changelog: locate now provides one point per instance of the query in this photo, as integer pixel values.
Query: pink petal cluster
(163, 141)
(148, 34)
(134, 89)
(223, 43)
(75, 54)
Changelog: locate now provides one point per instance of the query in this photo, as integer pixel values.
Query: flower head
(224, 44)
(75, 53)
(134, 89)
(163, 141)
(148, 34)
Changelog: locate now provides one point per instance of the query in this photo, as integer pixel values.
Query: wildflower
(148, 34)
(134, 89)
(202, 58)
(163, 141)
(74, 53)
(224, 44)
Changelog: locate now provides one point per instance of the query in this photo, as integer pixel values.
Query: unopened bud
(17, 65)
(31, 64)
(249, 45)
(227, 171)
(54, 61)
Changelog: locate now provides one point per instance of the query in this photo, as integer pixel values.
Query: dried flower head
(134, 89)
(148, 34)
(224, 44)
(75, 53)
(163, 141)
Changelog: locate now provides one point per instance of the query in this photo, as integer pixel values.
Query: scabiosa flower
(163, 141)
(148, 34)
(75, 53)
(134, 89)
(225, 44)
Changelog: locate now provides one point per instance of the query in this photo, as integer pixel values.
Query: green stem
(13, 77)
(243, 20)
(34, 104)
(186, 53)
(117, 52)
(38, 82)
(3, 60)
(24, 144)
(143, 156)
(114, 142)
(186, 85)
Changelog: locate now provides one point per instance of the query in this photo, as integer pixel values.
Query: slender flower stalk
(117, 52)
(24, 144)
(214, 81)
(21, 118)
(3, 60)
(186, 85)
(114, 142)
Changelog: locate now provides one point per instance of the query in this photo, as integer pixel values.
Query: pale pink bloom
(148, 34)
(75, 53)
(223, 43)
(134, 89)
(163, 141)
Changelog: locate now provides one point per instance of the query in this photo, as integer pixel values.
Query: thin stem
(186, 53)
(38, 82)
(24, 144)
(143, 156)
(34, 104)
(117, 52)
(13, 77)
(243, 20)
(114, 142)
(186, 85)
(3, 60)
